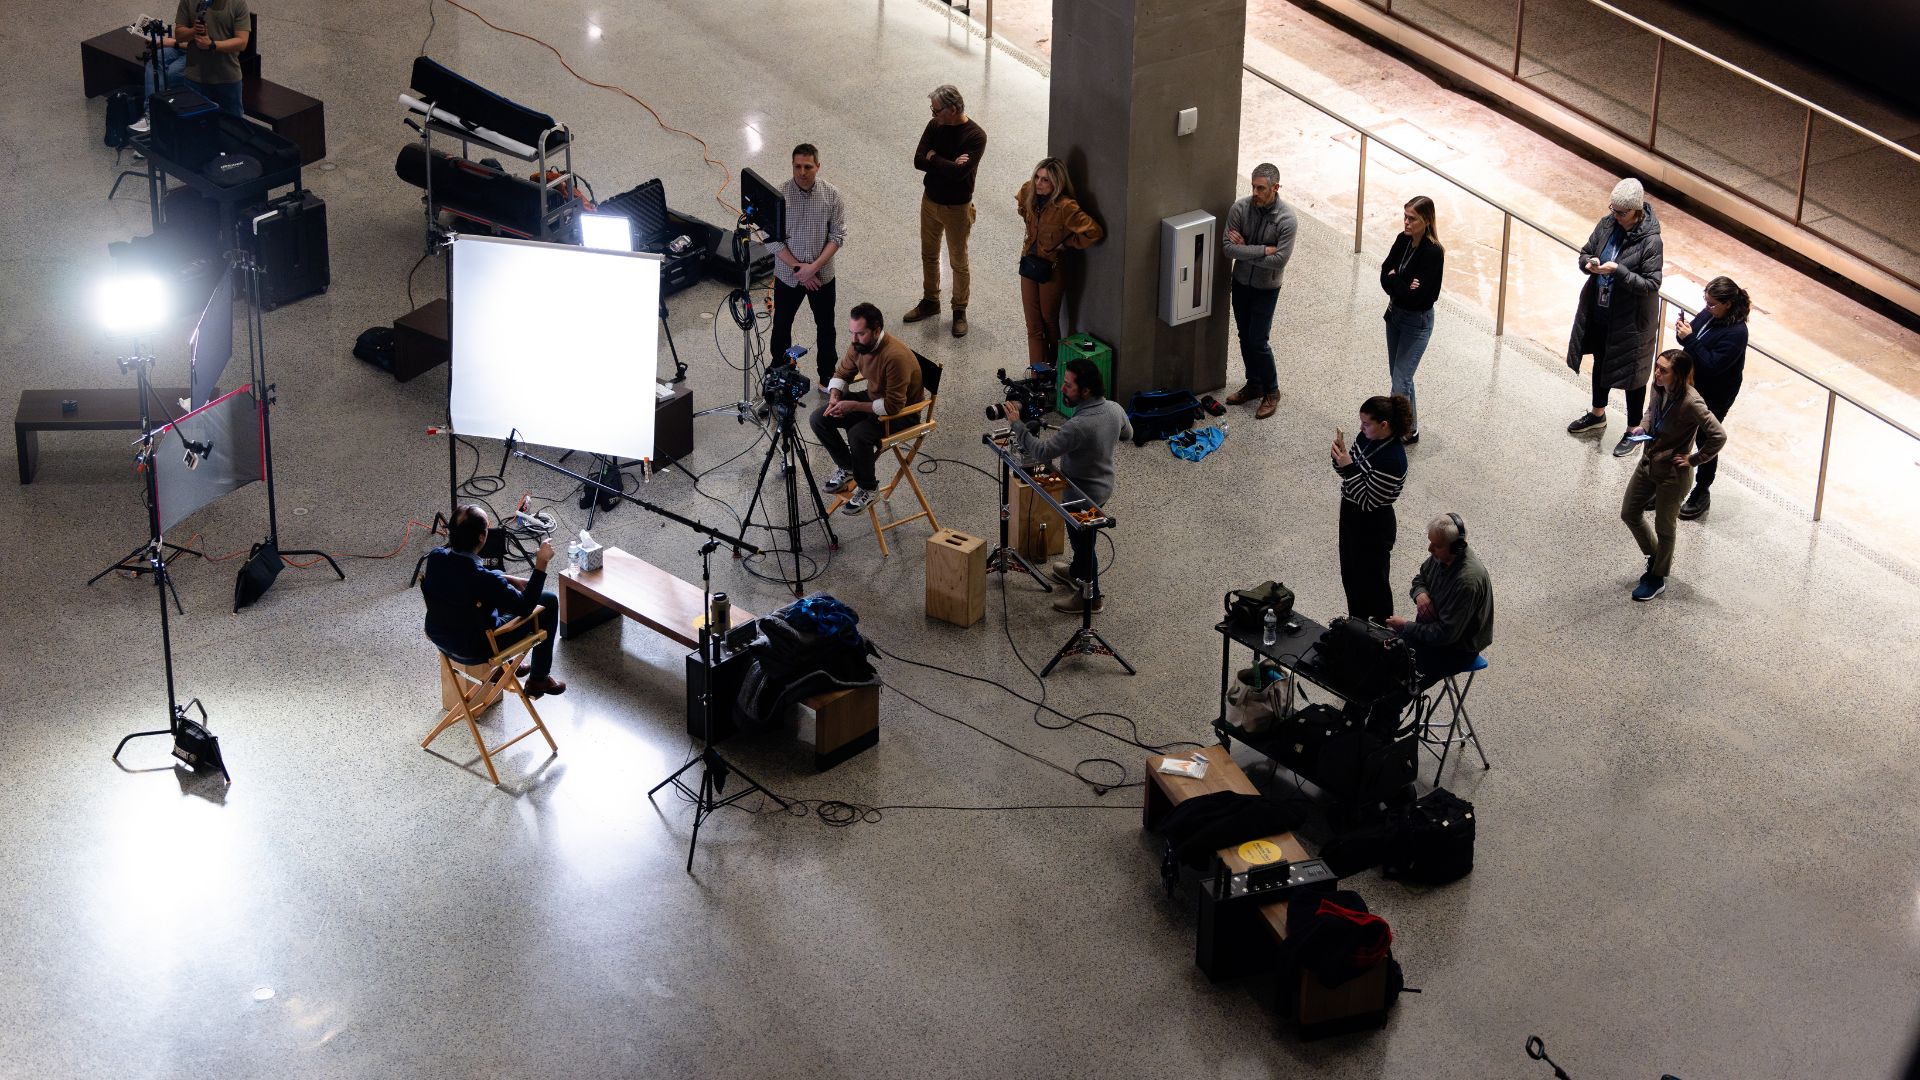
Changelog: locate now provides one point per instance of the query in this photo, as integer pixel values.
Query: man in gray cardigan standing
(1259, 240)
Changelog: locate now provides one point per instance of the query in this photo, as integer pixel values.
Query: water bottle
(573, 552)
(1269, 628)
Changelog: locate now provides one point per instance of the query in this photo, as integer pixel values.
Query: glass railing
(1524, 275)
(1830, 175)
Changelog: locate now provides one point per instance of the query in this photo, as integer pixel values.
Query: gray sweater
(1272, 226)
(1084, 446)
(1462, 604)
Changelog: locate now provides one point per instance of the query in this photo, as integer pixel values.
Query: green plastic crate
(1080, 347)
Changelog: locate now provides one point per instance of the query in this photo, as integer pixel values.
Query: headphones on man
(1459, 545)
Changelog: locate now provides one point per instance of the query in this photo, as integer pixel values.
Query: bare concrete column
(1122, 71)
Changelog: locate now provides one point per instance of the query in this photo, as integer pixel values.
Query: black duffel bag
(1432, 840)
(1247, 608)
(1364, 658)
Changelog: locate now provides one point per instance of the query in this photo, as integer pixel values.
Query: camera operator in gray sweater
(1083, 447)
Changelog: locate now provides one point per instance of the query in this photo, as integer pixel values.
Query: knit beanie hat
(1628, 195)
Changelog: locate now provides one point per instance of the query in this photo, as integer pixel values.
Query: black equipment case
(183, 125)
(289, 240)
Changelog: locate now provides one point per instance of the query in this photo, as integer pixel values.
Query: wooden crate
(1035, 527)
(956, 577)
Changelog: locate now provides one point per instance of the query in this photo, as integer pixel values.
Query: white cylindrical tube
(512, 146)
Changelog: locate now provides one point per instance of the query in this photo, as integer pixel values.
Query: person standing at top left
(213, 40)
(803, 259)
(949, 153)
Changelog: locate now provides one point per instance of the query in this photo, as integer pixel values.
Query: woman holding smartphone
(1618, 320)
(1676, 418)
(1410, 276)
(1372, 471)
(1717, 341)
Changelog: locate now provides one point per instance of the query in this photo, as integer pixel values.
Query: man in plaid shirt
(803, 259)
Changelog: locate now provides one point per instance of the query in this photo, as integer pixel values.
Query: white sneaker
(837, 481)
(857, 502)
(140, 126)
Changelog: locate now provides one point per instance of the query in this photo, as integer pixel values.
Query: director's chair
(905, 445)
(476, 686)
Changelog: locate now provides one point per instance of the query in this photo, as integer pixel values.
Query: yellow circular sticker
(1260, 852)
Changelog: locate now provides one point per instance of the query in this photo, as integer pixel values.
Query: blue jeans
(225, 95)
(1407, 334)
(175, 63)
(1253, 319)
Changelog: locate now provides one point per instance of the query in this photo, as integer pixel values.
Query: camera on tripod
(1033, 393)
(784, 384)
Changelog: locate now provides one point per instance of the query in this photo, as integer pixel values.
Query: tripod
(713, 767)
(153, 556)
(787, 446)
(1086, 641)
(743, 250)
(266, 394)
(157, 566)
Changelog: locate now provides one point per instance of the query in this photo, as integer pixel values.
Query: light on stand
(130, 303)
(608, 232)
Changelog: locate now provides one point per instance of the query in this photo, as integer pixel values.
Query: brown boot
(543, 686)
(959, 322)
(925, 309)
(1269, 405)
(1243, 395)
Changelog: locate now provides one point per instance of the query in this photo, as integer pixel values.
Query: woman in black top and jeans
(1717, 341)
(1372, 473)
(1410, 277)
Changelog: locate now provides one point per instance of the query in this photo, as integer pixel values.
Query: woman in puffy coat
(1618, 321)
(1055, 223)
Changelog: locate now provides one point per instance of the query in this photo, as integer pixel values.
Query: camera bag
(1157, 414)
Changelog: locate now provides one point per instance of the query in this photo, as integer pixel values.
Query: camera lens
(996, 413)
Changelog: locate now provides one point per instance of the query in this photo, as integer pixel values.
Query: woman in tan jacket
(1055, 222)
(1674, 418)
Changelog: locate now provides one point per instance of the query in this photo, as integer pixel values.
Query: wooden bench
(112, 60)
(845, 721)
(1319, 1005)
(99, 410)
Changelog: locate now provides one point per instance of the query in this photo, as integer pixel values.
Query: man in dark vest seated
(465, 600)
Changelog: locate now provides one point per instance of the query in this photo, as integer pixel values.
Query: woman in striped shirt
(1372, 473)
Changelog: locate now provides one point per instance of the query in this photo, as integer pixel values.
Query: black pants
(1081, 568)
(1431, 663)
(1366, 550)
(542, 660)
(1636, 396)
(786, 304)
(1719, 401)
(859, 447)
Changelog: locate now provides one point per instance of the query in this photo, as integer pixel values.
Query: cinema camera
(785, 385)
(1034, 394)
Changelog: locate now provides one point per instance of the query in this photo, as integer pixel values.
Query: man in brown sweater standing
(949, 153)
(852, 423)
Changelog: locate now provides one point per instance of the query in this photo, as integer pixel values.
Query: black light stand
(788, 447)
(1085, 641)
(743, 409)
(1006, 559)
(714, 768)
(206, 746)
(141, 559)
(265, 393)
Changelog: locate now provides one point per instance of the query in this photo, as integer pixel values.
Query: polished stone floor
(1697, 838)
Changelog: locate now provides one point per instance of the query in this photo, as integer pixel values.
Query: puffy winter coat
(1625, 355)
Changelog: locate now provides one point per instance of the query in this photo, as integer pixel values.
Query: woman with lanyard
(1717, 341)
(1410, 276)
(1618, 320)
(1372, 473)
(1676, 417)
(1054, 223)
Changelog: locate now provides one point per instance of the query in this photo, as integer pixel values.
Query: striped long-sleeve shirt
(813, 218)
(1376, 475)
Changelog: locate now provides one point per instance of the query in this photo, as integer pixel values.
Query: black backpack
(1432, 840)
(1156, 414)
(375, 345)
(124, 106)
